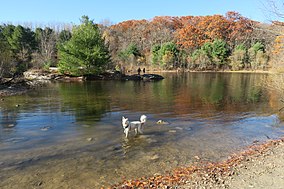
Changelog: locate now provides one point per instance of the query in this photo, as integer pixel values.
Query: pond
(70, 135)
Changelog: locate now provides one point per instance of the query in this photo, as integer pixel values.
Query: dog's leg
(126, 132)
(136, 132)
(140, 128)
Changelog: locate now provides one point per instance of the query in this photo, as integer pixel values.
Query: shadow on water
(72, 131)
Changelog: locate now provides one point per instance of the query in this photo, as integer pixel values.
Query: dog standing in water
(136, 125)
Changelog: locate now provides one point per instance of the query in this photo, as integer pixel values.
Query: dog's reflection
(136, 143)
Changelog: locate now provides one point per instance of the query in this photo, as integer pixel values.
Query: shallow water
(69, 135)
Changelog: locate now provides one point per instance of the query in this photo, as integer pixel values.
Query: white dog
(136, 125)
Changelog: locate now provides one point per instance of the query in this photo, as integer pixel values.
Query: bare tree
(275, 8)
(47, 48)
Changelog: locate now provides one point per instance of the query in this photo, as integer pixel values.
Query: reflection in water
(74, 129)
(85, 100)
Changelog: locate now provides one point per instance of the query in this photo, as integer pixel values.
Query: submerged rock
(162, 122)
(11, 125)
(90, 139)
(46, 128)
(154, 157)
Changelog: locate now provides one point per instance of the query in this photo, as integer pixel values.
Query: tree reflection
(178, 94)
(193, 92)
(87, 101)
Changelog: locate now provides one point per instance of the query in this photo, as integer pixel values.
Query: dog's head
(143, 119)
(124, 122)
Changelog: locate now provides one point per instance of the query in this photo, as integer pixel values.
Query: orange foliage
(190, 32)
(129, 24)
(198, 30)
(278, 44)
(190, 37)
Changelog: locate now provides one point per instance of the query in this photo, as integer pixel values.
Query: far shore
(22, 87)
(212, 71)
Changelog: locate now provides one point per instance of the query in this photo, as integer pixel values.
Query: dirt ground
(259, 167)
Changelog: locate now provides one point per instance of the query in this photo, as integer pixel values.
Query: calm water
(70, 134)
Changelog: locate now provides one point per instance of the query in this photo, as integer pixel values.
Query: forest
(189, 43)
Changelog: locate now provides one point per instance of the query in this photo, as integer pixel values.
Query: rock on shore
(110, 75)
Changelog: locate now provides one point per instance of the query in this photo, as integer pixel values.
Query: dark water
(70, 133)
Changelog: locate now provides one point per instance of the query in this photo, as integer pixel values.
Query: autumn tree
(190, 36)
(232, 28)
(240, 29)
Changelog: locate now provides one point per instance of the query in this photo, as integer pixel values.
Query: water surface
(69, 135)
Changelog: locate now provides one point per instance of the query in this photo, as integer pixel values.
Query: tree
(165, 55)
(169, 54)
(200, 59)
(6, 58)
(130, 55)
(64, 36)
(211, 54)
(275, 7)
(22, 44)
(219, 52)
(85, 52)
(257, 57)
(238, 58)
(232, 28)
(155, 54)
(46, 40)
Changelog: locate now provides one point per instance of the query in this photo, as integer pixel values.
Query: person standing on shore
(139, 70)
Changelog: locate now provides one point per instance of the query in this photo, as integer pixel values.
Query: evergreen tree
(219, 52)
(85, 52)
(22, 44)
(64, 36)
(6, 58)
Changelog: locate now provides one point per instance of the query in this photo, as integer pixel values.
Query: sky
(115, 11)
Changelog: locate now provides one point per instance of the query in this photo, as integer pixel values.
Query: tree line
(216, 42)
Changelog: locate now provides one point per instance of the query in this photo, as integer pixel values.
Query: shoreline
(237, 171)
(211, 71)
(31, 81)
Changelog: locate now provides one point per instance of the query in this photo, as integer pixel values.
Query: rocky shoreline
(36, 78)
(109, 75)
(259, 166)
